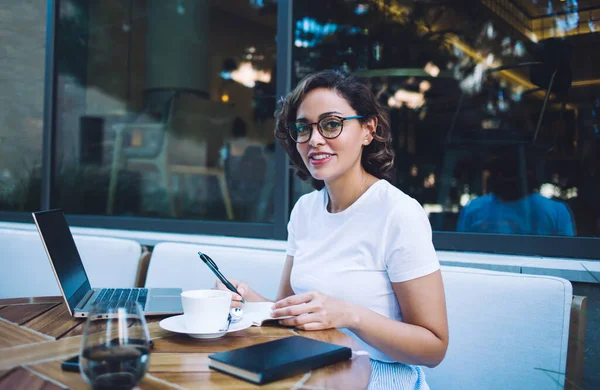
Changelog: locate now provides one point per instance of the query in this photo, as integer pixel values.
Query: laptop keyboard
(114, 297)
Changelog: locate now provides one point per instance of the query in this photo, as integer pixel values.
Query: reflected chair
(177, 149)
(153, 154)
(246, 178)
(197, 127)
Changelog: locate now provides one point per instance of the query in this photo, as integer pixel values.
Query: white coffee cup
(205, 311)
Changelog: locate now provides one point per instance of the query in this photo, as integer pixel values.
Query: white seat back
(507, 330)
(26, 271)
(178, 265)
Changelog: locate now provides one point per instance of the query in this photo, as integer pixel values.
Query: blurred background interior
(164, 108)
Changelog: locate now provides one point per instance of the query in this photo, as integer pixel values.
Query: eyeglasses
(330, 127)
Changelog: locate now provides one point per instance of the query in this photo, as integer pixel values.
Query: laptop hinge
(88, 295)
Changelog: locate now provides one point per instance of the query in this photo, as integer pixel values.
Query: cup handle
(228, 323)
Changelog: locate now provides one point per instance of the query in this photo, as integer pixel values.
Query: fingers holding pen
(241, 287)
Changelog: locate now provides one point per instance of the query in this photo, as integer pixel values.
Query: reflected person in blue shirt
(507, 209)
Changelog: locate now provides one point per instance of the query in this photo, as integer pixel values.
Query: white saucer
(177, 325)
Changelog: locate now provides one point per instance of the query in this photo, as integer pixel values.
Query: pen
(213, 267)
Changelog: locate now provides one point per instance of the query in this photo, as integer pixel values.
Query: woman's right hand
(242, 287)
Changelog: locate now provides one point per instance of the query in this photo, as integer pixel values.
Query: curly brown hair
(377, 157)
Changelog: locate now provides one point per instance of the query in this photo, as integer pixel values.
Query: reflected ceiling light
(432, 208)
(548, 190)
(464, 199)
(424, 86)
(361, 9)
(571, 193)
(432, 69)
(247, 75)
(489, 31)
(402, 97)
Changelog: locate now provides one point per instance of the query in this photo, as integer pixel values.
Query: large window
(23, 36)
(158, 115)
(164, 109)
(479, 141)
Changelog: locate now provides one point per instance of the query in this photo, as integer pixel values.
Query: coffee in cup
(205, 311)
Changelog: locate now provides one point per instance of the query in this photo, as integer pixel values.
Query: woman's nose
(315, 137)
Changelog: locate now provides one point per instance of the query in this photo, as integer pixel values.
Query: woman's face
(329, 159)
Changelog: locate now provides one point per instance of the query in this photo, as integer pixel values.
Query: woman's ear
(369, 128)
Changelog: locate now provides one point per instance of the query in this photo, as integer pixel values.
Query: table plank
(20, 301)
(74, 380)
(185, 344)
(351, 374)
(54, 322)
(22, 378)
(64, 348)
(31, 353)
(217, 380)
(14, 301)
(52, 370)
(3, 373)
(151, 382)
(77, 330)
(12, 335)
(23, 313)
(179, 362)
(49, 299)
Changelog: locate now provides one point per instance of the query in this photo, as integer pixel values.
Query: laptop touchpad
(164, 304)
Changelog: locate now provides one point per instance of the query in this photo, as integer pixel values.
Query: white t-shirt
(355, 255)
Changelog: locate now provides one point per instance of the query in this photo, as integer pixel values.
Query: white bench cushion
(178, 265)
(505, 328)
(26, 271)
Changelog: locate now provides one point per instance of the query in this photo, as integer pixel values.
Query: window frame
(560, 247)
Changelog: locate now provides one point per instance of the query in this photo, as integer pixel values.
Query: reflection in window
(479, 141)
(23, 33)
(164, 108)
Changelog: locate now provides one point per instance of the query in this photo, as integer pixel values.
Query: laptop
(74, 284)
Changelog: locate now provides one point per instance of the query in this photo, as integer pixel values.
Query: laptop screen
(63, 255)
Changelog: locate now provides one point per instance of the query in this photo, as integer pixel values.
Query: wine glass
(115, 351)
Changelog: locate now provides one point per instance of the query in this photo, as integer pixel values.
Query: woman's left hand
(313, 311)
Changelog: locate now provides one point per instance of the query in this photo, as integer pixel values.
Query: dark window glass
(22, 50)
(466, 85)
(164, 108)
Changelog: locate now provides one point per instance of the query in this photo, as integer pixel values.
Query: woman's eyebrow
(329, 113)
(323, 115)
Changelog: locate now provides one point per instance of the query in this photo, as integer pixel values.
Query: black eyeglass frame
(319, 129)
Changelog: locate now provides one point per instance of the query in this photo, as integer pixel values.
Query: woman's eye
(302, 128)
(331, 124)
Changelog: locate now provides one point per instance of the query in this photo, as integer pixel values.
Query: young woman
(360, 256)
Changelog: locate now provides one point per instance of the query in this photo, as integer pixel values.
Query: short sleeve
(463, 220)
(409, 248)
(291, 239)
(565, 225)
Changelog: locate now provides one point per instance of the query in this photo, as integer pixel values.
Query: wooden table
(37, 334)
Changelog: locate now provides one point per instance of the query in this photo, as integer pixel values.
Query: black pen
(213, 267)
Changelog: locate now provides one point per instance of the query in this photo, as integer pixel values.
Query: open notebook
(259, 312)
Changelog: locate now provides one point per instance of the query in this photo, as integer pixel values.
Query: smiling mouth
(320, 156)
